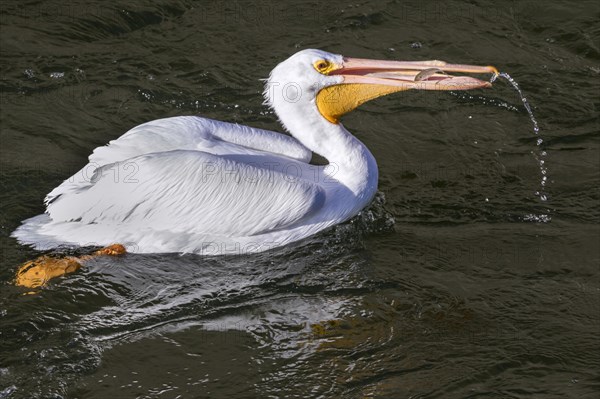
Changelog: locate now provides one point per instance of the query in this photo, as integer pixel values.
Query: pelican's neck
(352, 164)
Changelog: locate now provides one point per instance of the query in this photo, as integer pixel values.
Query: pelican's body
(190, 184)
(179, 185)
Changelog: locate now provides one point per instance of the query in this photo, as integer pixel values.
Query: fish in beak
(365, 80)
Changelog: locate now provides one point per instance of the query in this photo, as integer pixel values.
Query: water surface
(452, 287)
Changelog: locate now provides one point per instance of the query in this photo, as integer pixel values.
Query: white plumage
(190, 184)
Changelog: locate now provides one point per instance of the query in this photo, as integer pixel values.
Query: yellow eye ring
(323, 66)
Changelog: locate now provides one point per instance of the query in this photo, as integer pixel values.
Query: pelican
(194, 185)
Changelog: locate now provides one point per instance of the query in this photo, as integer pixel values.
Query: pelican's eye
(323, 66)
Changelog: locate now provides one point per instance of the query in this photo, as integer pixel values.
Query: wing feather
(183, 133)
(190, 191)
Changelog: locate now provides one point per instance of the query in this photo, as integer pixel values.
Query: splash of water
(540, 154)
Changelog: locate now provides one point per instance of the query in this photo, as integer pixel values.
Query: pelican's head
(317, 84)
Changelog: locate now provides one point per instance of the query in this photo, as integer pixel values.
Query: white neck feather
(355, 167)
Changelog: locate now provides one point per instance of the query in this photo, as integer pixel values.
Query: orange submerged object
(38, 272)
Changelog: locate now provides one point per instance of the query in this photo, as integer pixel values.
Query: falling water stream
(539, 155)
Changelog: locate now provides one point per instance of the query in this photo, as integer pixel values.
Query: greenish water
(469, 293)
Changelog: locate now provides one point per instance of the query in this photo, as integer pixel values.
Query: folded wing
(184, 133)
(191, 191)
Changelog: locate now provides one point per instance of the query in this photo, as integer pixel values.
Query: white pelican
(194, 185)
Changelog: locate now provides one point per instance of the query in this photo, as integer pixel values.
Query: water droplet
(536, 129)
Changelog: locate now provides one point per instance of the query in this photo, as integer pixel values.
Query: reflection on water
(268, 300)
(443, 291)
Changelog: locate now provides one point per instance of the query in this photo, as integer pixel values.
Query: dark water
(468, 294)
